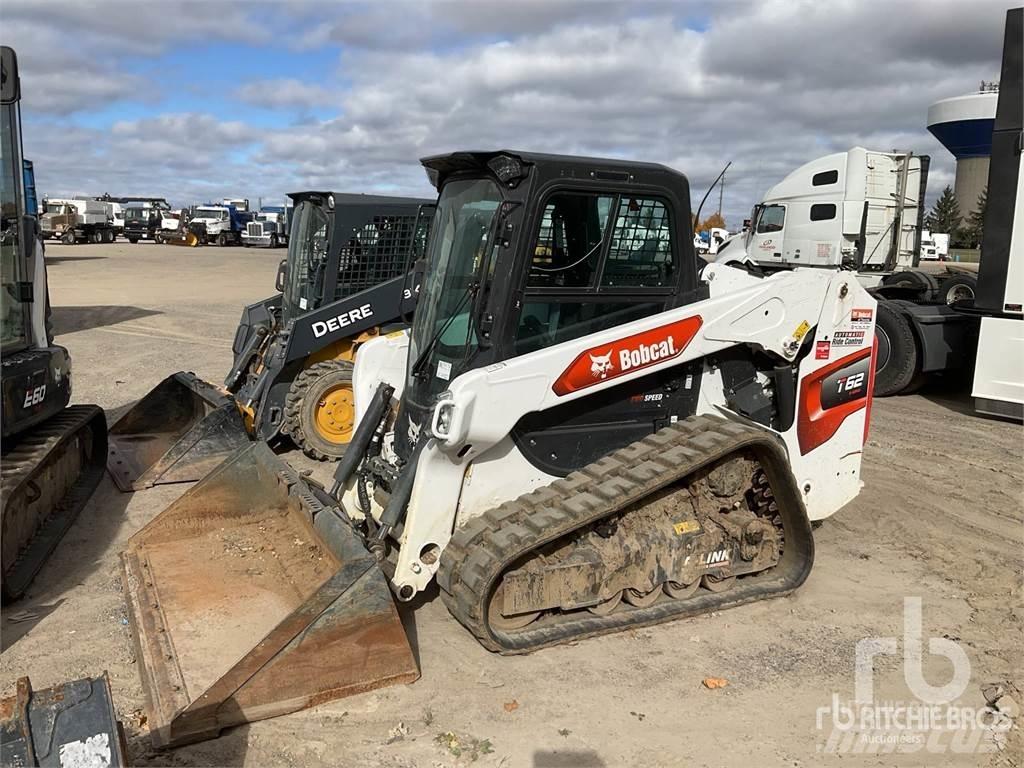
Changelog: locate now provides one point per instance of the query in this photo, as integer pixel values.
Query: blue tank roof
(965, 138)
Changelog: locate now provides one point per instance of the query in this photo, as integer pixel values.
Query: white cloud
(287, 92)
(768, 86)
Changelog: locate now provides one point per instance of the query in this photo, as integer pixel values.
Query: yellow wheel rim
(335, 412)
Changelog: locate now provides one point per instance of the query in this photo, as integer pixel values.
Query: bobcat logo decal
(601, 365)
(624, 357)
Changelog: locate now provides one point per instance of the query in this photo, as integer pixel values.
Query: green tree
(944, 216)
(974, 230)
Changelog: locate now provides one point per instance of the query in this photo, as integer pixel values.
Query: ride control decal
(832, 393)
(633, 353)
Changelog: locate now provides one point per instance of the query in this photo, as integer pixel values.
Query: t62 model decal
(832, 393)
(633, 353)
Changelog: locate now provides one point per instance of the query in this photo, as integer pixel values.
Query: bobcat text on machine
(344, 280)
(582, 432)
(52, 454)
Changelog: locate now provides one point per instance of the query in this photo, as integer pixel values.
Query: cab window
(772, 219)
(597, 260)
(567, 250)
(641, 247)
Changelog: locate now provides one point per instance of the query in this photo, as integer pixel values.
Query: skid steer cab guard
(251, 598)
(349, 274)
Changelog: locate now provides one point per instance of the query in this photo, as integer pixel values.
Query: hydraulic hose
(361, 439)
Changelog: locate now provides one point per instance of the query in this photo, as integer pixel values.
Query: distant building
(964, 126)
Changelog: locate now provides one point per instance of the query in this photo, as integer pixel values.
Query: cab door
(600, 261)
(767, 242)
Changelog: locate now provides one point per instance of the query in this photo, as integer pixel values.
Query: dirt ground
(940, 518)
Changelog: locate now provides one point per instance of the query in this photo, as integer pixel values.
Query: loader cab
(341, 244)
(529, 251)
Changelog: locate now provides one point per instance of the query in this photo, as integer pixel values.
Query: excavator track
(46, 480)
(483, 550)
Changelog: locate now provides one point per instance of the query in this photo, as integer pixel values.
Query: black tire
(222, 240)
(306, 397)
(133, 240)
(896, 364)
(958, 288)
(68, 238)
(922, 283)
(273, 241)
(159, 237)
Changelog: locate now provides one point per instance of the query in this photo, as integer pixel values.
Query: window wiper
(421, 358)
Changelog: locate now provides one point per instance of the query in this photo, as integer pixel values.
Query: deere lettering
(340, 321)
(646, 354)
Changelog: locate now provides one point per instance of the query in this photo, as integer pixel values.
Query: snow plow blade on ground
(187, 238)
(250, 598)
(177, 433)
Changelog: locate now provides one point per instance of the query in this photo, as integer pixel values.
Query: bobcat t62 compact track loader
(52, 454)
(344, 279)
(585, 430)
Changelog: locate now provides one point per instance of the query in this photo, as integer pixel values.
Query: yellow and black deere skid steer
(585, 430)
(348, 275)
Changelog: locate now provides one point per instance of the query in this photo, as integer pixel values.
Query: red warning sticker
(822, 349)
(861, 316)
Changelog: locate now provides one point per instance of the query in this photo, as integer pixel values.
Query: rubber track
(29, 456)
(486, 546)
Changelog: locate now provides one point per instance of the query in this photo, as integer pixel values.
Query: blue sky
(132, 98)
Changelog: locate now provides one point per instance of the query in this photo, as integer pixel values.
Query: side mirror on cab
(282, 275)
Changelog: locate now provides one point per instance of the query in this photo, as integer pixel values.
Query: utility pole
(721, 192)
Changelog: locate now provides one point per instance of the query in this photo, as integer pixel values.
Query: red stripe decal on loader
(830, 394)
(633, 353)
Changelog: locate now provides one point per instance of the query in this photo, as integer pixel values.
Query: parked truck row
(104, 219)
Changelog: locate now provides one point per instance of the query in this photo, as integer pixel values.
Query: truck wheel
(320, 410)
(159, 237)
(958, 288)
(222, 240)
(133, 240)
(273, 241)
(896, 362)
(923, 284)
(68, 238)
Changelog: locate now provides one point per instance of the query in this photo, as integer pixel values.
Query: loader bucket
(249, 599)
(177, 433)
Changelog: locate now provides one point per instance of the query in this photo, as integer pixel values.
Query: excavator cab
(349, 273)
(52, 453)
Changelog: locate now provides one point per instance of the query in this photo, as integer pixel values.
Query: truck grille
(254, 229)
